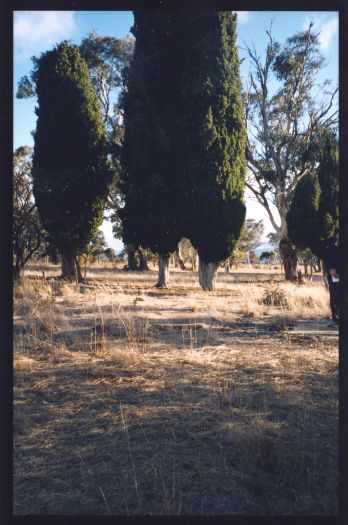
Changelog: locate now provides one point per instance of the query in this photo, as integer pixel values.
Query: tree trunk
(17, 273)
(207, 275)
(80, 279)
(143, 266)
(69, 269)
(325, 277)
(132, 260)
(163, 271)
(289, 259)
(194, 261)
(178, 258)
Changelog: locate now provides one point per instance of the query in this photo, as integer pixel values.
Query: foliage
(148, 184)
(274, 237)
(97, 245)
(238, 256)
(108, 60)
(187, 251)
(110, 254)
(268, 256)
(208, 130)
(313, 215)
(252, 232)
(285, 123)
(71, 172)
(27, 235)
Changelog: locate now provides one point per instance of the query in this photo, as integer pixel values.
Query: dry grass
(132, 400)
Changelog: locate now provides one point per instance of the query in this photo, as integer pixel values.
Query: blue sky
(35, 32)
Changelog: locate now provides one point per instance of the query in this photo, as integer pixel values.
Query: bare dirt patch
(132, 400)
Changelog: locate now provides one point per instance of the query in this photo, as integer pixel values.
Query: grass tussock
(131, 400)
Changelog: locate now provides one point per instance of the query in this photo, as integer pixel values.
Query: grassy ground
(133, 400)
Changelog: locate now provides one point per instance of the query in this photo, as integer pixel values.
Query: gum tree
(27, 233)
(286, 109)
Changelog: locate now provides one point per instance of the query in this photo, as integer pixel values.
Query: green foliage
(285, 119)
(110, 254)
(268, 256)
(251, 235)
(209, 133)
(71, 172)
(96, 245)
(107, 59)
(313, 215)
(149, 214)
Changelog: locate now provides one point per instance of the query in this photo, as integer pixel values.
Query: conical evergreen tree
(314, 215)
(183, 154)
(210, 137)
(71, 172)
(149, 217)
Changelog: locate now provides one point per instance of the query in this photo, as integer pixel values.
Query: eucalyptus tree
(284, 122)
(27, 235)
(71, 172)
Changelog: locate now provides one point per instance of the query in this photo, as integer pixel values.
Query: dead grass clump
(275, 297)
(311, 297)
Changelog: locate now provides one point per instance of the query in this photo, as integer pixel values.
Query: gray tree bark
(178, 260)
(207, 275)
(69, 267)
(289, 259)
(163, 272)
(143, 266)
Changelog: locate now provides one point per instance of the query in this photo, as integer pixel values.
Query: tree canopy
(313, 215)
(27, 233)
(148, 184)
(210, 133)
(71, 172)
(184, 106)
(285, 117)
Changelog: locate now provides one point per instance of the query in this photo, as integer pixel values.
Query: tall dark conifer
(149, 217)
(71, 172)
(210, 137)
(313, 215)
(183, 154)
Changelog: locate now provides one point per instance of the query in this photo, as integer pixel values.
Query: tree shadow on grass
(164, 437)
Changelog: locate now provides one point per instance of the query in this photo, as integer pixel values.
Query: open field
(135, 400)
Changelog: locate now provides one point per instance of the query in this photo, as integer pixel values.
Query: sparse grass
(132, 400)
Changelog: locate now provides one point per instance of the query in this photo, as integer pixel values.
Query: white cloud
(36, 31)
(327, 32)
(328, 28)
(243, 17)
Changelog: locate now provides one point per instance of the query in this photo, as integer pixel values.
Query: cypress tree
(313, 215)
(210, 137)
(71, 172)
(149, 215)
(183, 153)
(302, 217)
